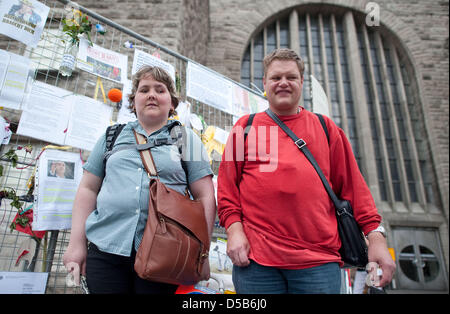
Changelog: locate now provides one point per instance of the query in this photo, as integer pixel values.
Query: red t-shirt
(287, 215)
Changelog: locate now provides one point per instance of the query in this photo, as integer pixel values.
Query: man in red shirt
(280, 222)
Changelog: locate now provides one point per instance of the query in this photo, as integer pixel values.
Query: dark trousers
(114, 274)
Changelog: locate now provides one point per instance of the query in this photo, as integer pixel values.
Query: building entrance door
(420, 265)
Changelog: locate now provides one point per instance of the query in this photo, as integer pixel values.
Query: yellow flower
(75, 24)
(77, 15)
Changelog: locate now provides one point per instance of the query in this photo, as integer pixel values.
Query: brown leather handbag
(175, 245)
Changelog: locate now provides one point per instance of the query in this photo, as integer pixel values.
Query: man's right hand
(237, 245)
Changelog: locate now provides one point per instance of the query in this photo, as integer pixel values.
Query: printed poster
(102, 62)
(88, 121)
(245, 102)
(58, 176)
(23, 20)
(241, 104)
(46, 113)
(58, 116)
(23, 282)
(5, 132)
(209, 88)
(141, 58)
(15, 73)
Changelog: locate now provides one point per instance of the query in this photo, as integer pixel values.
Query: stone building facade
(217, 33)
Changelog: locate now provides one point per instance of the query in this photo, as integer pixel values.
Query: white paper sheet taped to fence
(142, 58)
(15, 73)
(23, 282)
(57, 116)
(23, 20)
(209, 88)
(59, 175)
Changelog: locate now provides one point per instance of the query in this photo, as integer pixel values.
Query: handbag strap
(146, 155)
(301, 144)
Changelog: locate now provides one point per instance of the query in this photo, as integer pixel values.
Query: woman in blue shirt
(111, 205)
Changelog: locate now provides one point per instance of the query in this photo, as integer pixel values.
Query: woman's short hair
(286, 55)
(157, 74)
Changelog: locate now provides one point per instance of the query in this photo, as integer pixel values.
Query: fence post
(51, 250)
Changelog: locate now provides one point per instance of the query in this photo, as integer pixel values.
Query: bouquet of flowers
(75, 24)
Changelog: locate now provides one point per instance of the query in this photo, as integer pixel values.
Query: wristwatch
(380, 229)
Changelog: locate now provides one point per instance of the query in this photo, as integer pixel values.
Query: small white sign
(23, 282)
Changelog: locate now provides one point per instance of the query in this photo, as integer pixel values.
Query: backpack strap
(179, 136)
(324, 126)
(112, 132)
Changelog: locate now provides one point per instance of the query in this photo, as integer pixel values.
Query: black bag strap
(324, 126)
(301, 144)
(249, 125)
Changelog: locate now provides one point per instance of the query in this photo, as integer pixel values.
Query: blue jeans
(259, 279)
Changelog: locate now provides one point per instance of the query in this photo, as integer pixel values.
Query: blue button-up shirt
(122, 202)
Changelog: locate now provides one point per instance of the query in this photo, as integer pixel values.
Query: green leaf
(12, 226)
(12, 157)
(22, 220)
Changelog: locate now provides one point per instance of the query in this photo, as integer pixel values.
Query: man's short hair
(284, 54)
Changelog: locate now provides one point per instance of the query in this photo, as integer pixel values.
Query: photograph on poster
(60, 169)
(59, 174)
(105, 70)
(103, 62)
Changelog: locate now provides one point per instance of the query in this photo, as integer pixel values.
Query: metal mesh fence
(18, 178)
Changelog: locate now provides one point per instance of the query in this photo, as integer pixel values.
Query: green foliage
(76, 24)
(12, 157)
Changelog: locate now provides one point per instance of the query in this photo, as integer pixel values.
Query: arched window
(370, 87)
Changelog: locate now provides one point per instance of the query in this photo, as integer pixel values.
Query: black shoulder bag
(353, 249)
